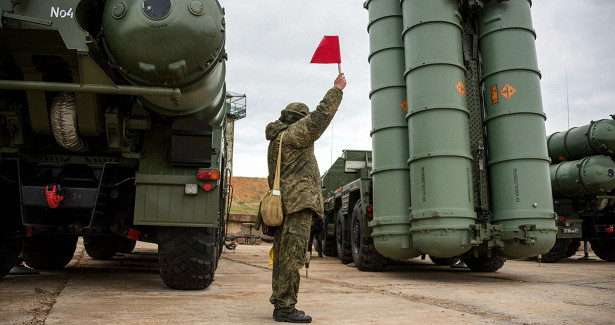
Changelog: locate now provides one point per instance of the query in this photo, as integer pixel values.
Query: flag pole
(339, 68)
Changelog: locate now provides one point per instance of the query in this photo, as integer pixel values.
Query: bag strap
(276, 181)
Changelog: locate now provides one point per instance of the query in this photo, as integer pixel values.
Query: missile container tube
(113, 128)
(438, 129)
(390, 173)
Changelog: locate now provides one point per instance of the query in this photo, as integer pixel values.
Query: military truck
(459, 157)
(348, 209)
(348, 202)
(113, 128)
(583, 182)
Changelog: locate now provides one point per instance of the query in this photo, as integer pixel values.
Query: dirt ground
(247, 194)
(128, 290)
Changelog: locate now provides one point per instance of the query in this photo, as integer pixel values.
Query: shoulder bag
(271, 205)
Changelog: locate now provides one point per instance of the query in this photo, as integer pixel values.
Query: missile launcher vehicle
(459, 163)
(583, 181)
(112, 127)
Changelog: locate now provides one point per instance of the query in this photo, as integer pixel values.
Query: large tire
(328, 241)
(343, 246)
(484, 263)
(187, 257)
(49, 251)
(604, 249)
(126, 245)
(573, 248)
(364, 255)
(9, 254)
(444, 261)
(557, 252)
(101, 247)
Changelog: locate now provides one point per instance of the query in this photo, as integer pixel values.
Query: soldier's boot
(294, 316)
(276, 310)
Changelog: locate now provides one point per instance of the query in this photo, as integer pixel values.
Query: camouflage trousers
(289, 248)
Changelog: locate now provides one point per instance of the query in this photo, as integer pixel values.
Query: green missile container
(596, 138)
(143, 40)
(518, 162)
(438, 130)
(390, 174)
(593, 175)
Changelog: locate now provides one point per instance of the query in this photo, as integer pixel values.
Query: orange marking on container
(404, 105)
(494, 95)
(460, 88)
(508, 91)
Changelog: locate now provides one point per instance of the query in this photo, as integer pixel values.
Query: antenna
(567, 101)
(331, 157)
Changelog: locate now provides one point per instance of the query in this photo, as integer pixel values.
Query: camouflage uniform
(301, 190)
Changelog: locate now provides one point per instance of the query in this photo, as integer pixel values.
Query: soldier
(300, 187)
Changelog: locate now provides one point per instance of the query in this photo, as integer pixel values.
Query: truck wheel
(126, 245)
(484, 263)
(328, 242)
(101, 247)
(187, 257)
(604, 249)
(557, 252)
(364, 255)
(49, 251)
(573, 248)
(9, 254)
(444, 261)
(343, 246)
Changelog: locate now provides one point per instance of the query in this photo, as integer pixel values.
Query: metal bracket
(487, 233)
(8, 15)
(525, 234)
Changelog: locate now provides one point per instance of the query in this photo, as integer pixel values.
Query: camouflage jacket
(300, 183)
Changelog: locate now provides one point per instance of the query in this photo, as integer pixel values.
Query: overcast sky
(270, 44)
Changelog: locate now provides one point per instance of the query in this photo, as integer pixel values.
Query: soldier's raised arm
(307, 130)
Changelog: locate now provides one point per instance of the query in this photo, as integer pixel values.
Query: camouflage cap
(294, 112)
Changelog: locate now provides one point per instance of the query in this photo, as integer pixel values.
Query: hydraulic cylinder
(438, 128)
(390, 174)
(517, 152)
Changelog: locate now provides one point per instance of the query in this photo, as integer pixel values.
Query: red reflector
(207, 187)
(133, 234)
(28, 231)
(609, 229)
(54, 197)
(369, 208)
(562, 219)
(370, 215)
(205, 174)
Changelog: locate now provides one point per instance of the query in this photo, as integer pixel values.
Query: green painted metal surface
(390, 174)
(518, 162)
(596, 138)
(160, 198)
(440, 160)
(143, 46)
(594, 175)
(335, 177)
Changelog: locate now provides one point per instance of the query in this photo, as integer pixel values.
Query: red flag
(328, 51)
